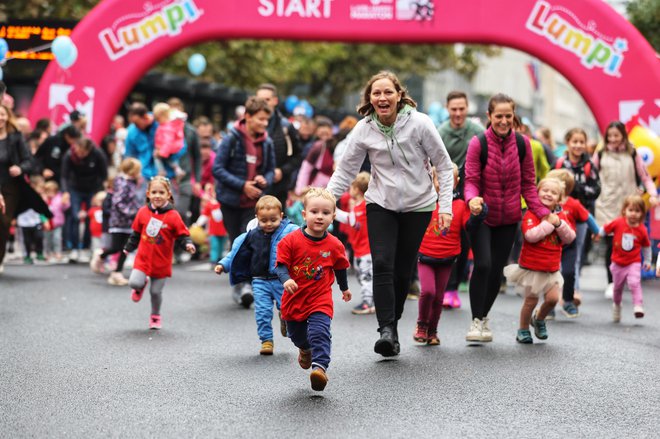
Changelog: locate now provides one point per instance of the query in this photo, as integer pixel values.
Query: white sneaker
(96, 263)
(116, 278)
(639, 311)
(609, 291)
(474, 333)
(73, 256)
(616, 313)
(486, 333)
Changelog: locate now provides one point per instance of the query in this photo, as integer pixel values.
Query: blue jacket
(238, 261)
(140, 145)
(230, 168)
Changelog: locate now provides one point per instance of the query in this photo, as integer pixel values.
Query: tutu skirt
(534, 283)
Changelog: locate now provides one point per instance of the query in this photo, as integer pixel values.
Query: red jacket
(627, 242)
(541, 249)
(439, 246)
(499, 182)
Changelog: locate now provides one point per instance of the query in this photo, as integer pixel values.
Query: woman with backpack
(622, 173)
(499, 168)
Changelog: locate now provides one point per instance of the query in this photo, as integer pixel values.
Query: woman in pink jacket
(496, 178)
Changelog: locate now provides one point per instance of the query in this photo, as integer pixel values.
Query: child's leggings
(265, 292)
(138, 280)
(217, 244)
(117, 243)
(433, 281)
(568, 257)
(365, 277)
(314, 334)
(631, 273)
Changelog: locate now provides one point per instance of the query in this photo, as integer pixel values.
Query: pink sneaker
(456, 301)
(155, 322)
(446, 300)
(136, 295)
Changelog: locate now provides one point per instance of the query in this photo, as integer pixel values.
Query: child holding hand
(537, 270)
(307, 262)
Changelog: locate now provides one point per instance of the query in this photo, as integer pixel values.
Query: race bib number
(154, 227)
(216, 214)
(627, 241)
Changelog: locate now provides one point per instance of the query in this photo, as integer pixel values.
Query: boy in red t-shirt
(630, 240)
(307, 262)
(358, 238)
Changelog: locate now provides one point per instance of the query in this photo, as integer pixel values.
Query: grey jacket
(400, 167)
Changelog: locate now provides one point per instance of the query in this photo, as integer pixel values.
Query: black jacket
(86, 176)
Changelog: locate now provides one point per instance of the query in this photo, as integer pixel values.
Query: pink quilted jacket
(499, 183)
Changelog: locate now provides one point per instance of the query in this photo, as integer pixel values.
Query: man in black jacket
(287, 145)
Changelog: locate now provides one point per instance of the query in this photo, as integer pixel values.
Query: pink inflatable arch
(598, 51)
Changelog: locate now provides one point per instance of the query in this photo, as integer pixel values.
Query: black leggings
(117, 243)
(394, 238)
(491, 247)
(609, 243)
(236, 220)
(458, 272)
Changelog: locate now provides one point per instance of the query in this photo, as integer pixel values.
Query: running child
(252, 257)
(437, 256)
(537, 271)
(307, 262)
(156, 229)
(211, 217)
(58, 203)
(169, 139)
(630, 243)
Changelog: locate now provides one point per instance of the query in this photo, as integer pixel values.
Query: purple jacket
(57, 207)
(500, 183)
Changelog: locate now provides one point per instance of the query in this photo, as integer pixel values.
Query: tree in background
(645, 16)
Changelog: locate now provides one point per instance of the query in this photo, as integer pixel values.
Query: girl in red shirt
(437, 255)
(537, 270)
(156, 228)
(629, 241)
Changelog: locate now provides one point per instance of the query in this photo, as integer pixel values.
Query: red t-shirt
(439, 246)
(627, 242)
(158, 231)
(311, 264)
(359, 237)
(214, 214)
(575, 212)
(95, 215)
(544, 255)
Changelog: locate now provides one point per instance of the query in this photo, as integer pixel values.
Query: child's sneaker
(432, 339)
(41, 257)
(266, 348)
(524, 336)
(455, 300)
(421, 333)
(540, 330)
(609, 291)
(639, 311)
(550, 316)
(136, 295)
(616, 313)
(363, 308)
(305, 358)
(282, 325)
(570, 310)
(486, 333)
(28, 260)
(446, 300)
(318, 378)
(155, 322)
(96, 263)
(118, 279)
(577, 298)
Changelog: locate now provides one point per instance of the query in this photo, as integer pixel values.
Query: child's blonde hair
(97, 199)
(319, 192)
(161, 109)
(361, 181)
(51, 185)
(549, 180)
(165, 182)
(634, 201)
(267, 202)
(565, 176)
(131, 167)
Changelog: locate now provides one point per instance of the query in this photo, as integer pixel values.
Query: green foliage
(645, 16)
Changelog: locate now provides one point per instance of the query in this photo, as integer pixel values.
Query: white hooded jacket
(401, 178)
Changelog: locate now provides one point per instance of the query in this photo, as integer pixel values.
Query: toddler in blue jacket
(252, 257)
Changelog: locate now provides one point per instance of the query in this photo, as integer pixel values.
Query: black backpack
(483, 155)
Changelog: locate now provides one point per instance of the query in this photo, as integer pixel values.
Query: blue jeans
(265, 292)
(72, 221)
(314, 334)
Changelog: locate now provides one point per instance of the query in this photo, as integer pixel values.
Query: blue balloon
(291, 102)
(307, 108)
(4, 47)
(435, 108)
(65, 51)
(197, 64)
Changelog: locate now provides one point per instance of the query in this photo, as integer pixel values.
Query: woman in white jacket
(402, 145)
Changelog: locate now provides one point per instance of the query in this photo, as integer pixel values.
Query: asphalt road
(77, 360)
